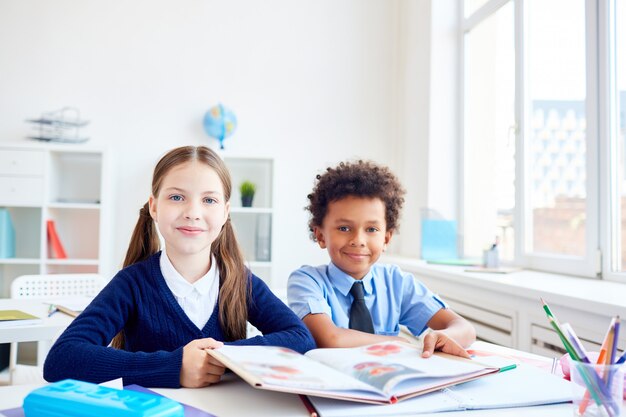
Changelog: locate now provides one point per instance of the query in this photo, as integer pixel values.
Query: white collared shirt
(198, 299)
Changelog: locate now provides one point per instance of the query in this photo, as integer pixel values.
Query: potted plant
(247, 190)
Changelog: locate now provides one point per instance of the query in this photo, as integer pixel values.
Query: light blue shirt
(392, 296)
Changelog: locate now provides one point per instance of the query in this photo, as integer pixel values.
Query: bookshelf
(59, 182)
(254, 225)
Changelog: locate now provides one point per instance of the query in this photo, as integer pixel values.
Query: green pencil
(566, 343)
(594, 390)
(546, 308)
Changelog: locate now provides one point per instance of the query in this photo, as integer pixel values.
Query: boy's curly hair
(359, 179)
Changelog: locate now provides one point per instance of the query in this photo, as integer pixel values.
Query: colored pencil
(585, 402)
(575, 342)
(593, 382)
(613, 349)
(546, 308)
(308, 405)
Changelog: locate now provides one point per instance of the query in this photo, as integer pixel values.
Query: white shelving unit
(254, 225)
(60, 182)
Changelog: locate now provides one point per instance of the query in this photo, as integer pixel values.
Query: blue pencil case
(72, 398)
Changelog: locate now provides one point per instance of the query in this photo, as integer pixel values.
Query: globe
(219, 123)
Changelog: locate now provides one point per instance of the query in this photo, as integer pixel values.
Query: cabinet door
(21, 162)
(21, 191)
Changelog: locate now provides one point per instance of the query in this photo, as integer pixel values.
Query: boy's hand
(199, 369)
(437, 340)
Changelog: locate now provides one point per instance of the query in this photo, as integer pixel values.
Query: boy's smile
(354, 232)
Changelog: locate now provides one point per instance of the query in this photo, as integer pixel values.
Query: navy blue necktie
(360, 317)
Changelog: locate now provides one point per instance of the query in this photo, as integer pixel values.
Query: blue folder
(439, 239)
(7, 235)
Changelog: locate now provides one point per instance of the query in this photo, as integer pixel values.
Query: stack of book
(12, 318)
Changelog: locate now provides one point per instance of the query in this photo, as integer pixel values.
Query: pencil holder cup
(565, 362)
(491, 258)
(597, 389)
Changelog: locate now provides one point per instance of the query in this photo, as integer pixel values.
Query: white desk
(43, 333)
(233, 397)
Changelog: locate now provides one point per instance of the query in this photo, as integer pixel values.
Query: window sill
(584, 294)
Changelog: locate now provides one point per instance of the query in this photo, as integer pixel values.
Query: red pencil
(308, 405)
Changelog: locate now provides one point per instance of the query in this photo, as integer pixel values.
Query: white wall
(427, 113)
(312, 83)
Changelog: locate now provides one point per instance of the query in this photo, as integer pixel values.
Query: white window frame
(600, 217)
(610, 208)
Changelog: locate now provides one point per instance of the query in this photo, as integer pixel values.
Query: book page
(522, 386)
(483, 351)
(519, 387)
(274, 365)
(385, 365)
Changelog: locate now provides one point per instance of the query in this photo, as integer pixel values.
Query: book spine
(55, 243)
(7, 235)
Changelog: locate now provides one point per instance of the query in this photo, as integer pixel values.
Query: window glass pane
(557, 122)
(471, 6)
(489, 135)
(620, 90)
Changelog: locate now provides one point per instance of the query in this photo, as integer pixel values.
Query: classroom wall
(312, 83)
(427, 114)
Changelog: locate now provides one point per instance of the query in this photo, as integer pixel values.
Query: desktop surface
(49, 327)
(234, 397)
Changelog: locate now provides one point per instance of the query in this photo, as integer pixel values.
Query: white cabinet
(59, 182)
(253, 225)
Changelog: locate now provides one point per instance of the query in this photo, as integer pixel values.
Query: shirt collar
(343, 282)
(179, 285)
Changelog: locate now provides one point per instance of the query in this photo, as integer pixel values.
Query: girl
(166, 307)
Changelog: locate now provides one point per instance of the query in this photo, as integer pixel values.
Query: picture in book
(379, 373)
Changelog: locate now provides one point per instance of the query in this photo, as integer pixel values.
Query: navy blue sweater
(139, 302)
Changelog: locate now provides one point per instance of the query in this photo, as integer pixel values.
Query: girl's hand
(199, 369)
(437, 340)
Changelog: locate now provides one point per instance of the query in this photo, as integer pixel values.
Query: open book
(382, 373)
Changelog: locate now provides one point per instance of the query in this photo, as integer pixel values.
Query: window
(617, 128)
(556, 123)
(489, 165)
(472, 5)
(544, 142)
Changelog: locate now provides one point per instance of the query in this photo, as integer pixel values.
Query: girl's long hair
(234, 291)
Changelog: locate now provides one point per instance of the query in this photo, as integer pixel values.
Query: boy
(354, 300)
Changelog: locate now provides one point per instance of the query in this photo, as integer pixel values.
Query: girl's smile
(190, 211)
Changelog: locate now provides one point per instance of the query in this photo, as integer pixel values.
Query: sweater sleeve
(279, 325)
(81, 352)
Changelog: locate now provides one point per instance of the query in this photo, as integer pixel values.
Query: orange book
(55, 243)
